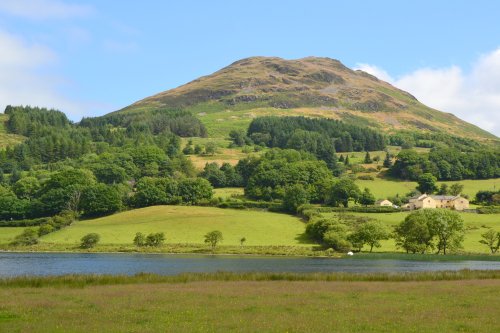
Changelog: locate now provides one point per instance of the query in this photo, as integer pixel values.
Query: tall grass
(80, 281)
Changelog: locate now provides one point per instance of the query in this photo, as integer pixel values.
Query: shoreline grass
(83, 280)
(278, 251)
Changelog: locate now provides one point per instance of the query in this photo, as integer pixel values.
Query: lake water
(14, 264)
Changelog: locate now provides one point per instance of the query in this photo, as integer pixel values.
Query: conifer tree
(387, 161)
(368, 159)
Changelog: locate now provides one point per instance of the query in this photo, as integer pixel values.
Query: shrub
(489, 210)
(45, 229)
(366, 177)
(155, 239)
(295, 196)
(25, 222)
(213, 238)
(337, 240)
(139, 239)
(27, 237)
(89, 240)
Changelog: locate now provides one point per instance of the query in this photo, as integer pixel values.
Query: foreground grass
(84, 280)
(465, 301)
(188, 225)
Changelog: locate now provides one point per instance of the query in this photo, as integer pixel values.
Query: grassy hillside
(383, 188)
(316, 87)
(7, 234)
(7, 139)
(183, 224)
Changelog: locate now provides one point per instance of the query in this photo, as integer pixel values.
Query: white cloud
(44, 9)
(473, 96)
(376, 71)
(23, 81)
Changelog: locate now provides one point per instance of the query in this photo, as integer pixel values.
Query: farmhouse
(383, 202)
(449, 201)
(438, 201)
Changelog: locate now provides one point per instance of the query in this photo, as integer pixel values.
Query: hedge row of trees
(427, 139)
(277, 131)
(422, 231)
(51, 137)
(447, 164)
(179, 122)
(78, 190)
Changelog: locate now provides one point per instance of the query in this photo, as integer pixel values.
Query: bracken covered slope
(314, 87)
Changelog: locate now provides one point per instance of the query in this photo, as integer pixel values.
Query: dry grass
(8, 139)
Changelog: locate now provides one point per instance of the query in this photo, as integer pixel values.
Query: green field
(383, 188)
(476, 224)
(182, 224)
(465, 305)
(7, 234)
(229, 192)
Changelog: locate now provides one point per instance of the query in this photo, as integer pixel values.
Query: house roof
(382, 200)
(419, 197)
(445, 197)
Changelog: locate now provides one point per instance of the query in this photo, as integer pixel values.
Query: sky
(88, 58)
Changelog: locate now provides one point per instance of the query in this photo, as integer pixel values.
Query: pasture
(383, 188)
(189, 224)
(282, 305)
(7, 234)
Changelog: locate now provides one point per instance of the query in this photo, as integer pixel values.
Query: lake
(15, 264)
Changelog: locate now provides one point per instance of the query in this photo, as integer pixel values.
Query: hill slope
(7, 139)
(188, 224)
(316, 87)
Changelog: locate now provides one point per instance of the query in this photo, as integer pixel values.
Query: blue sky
(92, 57)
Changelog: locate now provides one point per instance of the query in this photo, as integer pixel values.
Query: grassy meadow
(7, 234)
(383, 188)
(229, 192)
(189, 224)
(270, 304)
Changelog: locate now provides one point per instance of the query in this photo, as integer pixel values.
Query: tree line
(447, 164)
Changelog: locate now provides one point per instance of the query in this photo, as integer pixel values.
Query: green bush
(89, 240)
(337, 240)
(155, 239)
(489, 210)
(366, 177)
(24, 223)
(213, 238)
(45, 229)
(243, 204)
(139, 239)
(26, 238)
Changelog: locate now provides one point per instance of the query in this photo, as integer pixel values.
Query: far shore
(271, 251)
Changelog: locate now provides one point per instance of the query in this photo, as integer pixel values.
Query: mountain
(314, 87)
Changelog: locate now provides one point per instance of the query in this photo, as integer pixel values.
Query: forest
(92, 168)
(120, 161)
(321, 137)
(448, 164)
